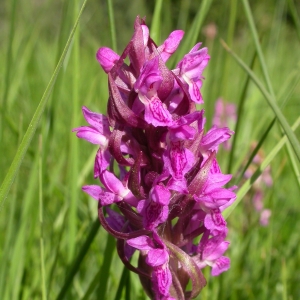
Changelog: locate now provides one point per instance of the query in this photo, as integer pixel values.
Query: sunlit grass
(51, 245)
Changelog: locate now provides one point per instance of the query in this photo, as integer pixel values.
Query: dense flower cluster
(169, 191)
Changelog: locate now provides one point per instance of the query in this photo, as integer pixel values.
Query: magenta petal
(221, 265)
(93, 190)
(194, 90)
(105, 198)
(218, 180)
(178, 160)
(183, 132)
(107, 58)
(114, 219)
(170, 44)
(214, 137)
(102, 160)
(207, 202)
(214, 249)
(150, 79)
(113, 184)
(194, 63)
(98, 121)
(141, 206)
(214, 221)
(160, 194)
(157, 257)
(178, 185)
(91, 135)
(162, 280)
(154, 214)
(222, 194)
(142, 242)
(156, 113)
(145, 34)
(195, 48)
(229, 202)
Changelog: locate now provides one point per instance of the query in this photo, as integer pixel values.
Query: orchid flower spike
(169, 190)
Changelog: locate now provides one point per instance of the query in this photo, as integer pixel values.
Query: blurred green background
(265, 261)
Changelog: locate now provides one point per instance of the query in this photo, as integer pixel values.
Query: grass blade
(10, 176)
(155, 25)
(74, 151)
(239, 117)
(271, 101)
(105, 268)
(112, 25)
(256, 149)
(122, 283)
(78, 260)
(43, 280)
(296, 19)
(193, 34)
(10, 231)
(8, 65)
(247, 185)
(294, 164)
(128, 288)
(92, 286)
(258, 46)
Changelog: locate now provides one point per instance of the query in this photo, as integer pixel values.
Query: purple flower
(210, 253)
(170, 190)
(170, 45)
(190, 70)
(98, 131)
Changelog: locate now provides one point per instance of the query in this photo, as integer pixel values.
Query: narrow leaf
(247, 185)
(78, 260)
(10, 176)
(271, 101)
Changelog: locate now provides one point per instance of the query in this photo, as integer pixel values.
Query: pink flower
(170, 190)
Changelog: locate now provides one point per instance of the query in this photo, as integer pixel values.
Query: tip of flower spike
(107, 58)
(170, 44)
(154, 131)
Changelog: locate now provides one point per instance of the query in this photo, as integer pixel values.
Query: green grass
(51, 245)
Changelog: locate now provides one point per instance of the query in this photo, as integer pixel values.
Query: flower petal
(142, 242)
(221, 265)
(91, 135)
(157, 257)
(107, 58)
(160, 194)
(162, 280)
(98, 121)
(170, 44)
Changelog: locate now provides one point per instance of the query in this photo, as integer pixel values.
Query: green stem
(43, 277)
(112, 25)
(78, 260)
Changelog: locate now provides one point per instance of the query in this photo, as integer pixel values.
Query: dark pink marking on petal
(162, 280)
